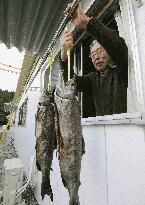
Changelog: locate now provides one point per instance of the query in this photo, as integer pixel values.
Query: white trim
(137, 68)
(127, 29)
(42, 73)
(81, 75)
(124, 118)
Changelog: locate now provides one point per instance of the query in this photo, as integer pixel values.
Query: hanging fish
(45, 140)
(70, 153)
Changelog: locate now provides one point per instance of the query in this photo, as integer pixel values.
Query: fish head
(66, 90)
(46, 98)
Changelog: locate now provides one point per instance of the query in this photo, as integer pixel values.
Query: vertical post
(13, 181)
(41, 85)
(1, 195)
(81, 75)
(68, 56)
(136, 58)
(75, 63)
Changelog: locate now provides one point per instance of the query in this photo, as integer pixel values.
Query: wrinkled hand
(66, 42)
(79, 18)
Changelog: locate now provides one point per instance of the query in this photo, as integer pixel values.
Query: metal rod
(68, 55)
(81, 75)
(54, 40)
(75, 63)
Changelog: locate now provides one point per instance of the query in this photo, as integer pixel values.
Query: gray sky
(8, 80)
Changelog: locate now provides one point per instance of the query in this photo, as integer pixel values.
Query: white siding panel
(93, 174)
(125, 164)
(25, 135)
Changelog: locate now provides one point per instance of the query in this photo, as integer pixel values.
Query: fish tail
(74, 201)
(46, 188)
(59, 142)
(74, 197)
(38, 165)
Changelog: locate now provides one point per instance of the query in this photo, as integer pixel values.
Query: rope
(50, 64)
(68, 56)
(68, 52)
(6, 128)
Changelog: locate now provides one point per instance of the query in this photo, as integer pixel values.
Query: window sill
(123, 118)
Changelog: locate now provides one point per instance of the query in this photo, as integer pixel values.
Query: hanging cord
(50, 64)
(68, 57)
(6, 128)
(68, 52)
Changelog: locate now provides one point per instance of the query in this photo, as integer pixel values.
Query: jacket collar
(106, 71)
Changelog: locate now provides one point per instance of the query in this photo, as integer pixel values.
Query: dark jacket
(109, 88)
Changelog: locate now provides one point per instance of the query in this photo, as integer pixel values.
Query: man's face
(99, 56)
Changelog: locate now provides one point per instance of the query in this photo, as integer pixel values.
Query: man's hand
(79, 18)
(66, 43)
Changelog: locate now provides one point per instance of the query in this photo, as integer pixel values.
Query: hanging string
(68, 53)
(50, 64)
(68, 57)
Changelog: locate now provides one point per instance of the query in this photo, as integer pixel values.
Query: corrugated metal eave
(28, 65)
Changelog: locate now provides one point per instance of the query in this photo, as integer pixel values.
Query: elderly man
(109, 55)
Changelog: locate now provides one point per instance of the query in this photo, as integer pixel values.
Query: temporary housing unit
(113, 167)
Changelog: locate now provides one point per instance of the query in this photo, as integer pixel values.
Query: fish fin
(59, 138)
(38, 166)
(46, 189)
(63, 181)
(83, 146)
(74, 198)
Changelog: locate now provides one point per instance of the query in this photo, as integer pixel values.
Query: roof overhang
(32, 25)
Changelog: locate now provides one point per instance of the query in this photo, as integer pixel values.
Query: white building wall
(139, 15)
(125, 148)
(112, 167)
(25, 135)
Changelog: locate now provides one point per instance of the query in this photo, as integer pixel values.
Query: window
(83, 65)
(23, 113)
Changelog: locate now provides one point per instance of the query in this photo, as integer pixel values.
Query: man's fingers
(68, 39)
(68, 35)
(76, 11)
(69, 42)
(66, 12)
(66, 31)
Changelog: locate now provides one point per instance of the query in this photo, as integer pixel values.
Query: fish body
(45, 140)
(71, 138)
